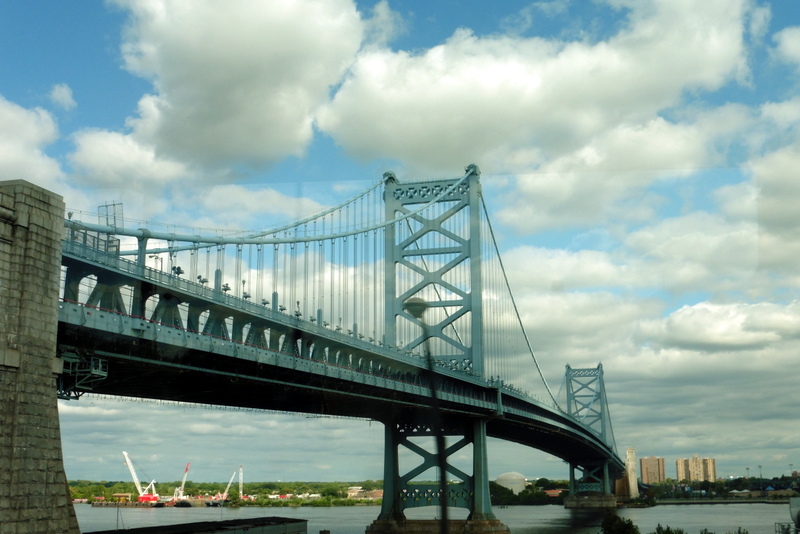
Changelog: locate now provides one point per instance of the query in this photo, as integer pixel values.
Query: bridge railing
(240, 305)
(510, 364)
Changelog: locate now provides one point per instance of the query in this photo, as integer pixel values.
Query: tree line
(91, 490)
(297, 493)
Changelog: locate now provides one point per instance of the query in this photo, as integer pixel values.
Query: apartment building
(652, 470)
(696, 469)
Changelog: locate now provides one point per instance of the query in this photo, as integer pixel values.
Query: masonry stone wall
(34, 497)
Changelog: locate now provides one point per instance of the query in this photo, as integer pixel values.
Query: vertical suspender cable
(193, 264)
(292, 275)
(319, 270)
(238, 271)
(249, 267)
(513, 304)
(207, 274)
(221, 260)
(330, 279)
(306, 277)
(275, 271)
(259, 273)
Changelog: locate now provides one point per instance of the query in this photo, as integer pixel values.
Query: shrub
(613, 524)
(668, 530)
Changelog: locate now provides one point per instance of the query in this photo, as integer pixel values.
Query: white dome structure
(513, 481)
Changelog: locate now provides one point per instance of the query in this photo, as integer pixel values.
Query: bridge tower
(586, 402)
(434, 254)
(34, 497)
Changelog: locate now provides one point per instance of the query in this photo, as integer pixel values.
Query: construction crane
(178, 493)
(147, 494)
(225, 495)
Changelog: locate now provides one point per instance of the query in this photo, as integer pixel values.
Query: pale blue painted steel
(413, 205)
(411, 250)
(586, 401)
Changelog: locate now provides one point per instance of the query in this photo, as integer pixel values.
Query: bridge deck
(155, 361)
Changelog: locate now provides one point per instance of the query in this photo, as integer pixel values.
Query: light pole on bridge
(416, 307)
(159, 259)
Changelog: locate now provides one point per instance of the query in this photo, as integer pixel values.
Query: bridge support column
(400, 493)
(34, 497)
(592, 489)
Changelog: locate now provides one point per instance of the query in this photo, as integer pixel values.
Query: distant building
(630, 471)
(652, 470)
(357, 492)
(513, 481)
(696, 469)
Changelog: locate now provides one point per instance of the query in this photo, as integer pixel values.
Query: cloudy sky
(639, 159)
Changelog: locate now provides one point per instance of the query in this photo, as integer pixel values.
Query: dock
(257, 525)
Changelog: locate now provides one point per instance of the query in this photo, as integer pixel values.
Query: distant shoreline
(722, 501)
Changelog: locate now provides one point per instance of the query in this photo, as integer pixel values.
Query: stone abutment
(34, 497)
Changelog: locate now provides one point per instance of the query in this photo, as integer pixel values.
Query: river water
(717, 518)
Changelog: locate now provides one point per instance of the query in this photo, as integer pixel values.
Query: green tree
(234, 499)
(613, 524)
(668, 530)
(99, 490)
(332, 490)
(533, 496)
(500, 495)
(370, 485)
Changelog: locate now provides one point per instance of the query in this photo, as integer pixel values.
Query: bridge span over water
(314, 317)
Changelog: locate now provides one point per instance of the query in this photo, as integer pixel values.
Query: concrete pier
(433, 526)
(258, 525)
(607, 500)
(34, 497)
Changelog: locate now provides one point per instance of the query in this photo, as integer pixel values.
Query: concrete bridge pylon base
(433, 526)
(34, 497)
(607, 500)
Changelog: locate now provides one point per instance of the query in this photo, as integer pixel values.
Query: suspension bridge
(373, 308)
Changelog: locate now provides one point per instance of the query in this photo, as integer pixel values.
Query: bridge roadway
(286, 363)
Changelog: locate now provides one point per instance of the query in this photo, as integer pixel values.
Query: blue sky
(639, 160)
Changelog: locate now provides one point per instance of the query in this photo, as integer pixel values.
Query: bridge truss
(331, 289)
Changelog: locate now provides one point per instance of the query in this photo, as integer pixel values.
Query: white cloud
(699, 252)
(495, 96)
(24, 135)
(716, 327)
(606, 177)
(525, 18)
(728, 360)
(581, 328)
(239, 84)
(384, 25)
(61, 95)
(93, 423)
(243, 207)
(105, 158)
(778, 191)
(738, 202)
(787, 46)
(759, 22)
(561, 270)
